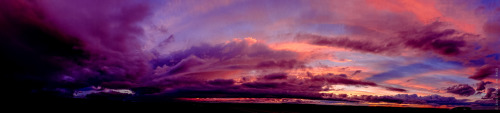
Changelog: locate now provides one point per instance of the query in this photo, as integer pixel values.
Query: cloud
(290, 64)
(337, 79)
(347, 43)
(396, 89)
(400, 98)
(436, 99)
(444, 42)
(480, 85)
(222, 82)
(356, 72)
(146, 90)
(489, 93)
(447, 42)
(273, 85)
(118, 84)
(185, 65)
(265, 85)
(490, 99)
(74, 44)
(484, 72)
(427, 65)
(35, 52)
(275, 76)
(226, 60)
(461, 89)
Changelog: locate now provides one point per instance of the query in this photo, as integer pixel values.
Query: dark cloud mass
(33, 51)
(95, 44)
(396, 89)
(461, 89)
(481, 85)
(484, 72)
(55, 47)
(222, 82)
(445, 42)
(275, 76)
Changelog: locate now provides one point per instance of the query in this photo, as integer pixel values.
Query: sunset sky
(444, 51)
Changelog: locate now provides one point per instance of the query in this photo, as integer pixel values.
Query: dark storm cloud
(480, 85)
(461, 89)
(110, 32)
(54, 46)
(93, 42)
(484, 72)
(33, 52)
(275, 76)
(222, 82)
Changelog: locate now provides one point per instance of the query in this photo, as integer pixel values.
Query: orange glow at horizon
(309, 101)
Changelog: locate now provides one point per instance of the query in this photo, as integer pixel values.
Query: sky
(428, 52)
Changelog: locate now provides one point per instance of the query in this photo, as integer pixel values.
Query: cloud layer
(445, 51)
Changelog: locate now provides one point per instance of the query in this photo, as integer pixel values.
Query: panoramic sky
(410, 51)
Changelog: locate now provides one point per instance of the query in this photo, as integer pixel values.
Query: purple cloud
(275, 76)
(484, 72)
(489, 93)
(222, 82)
(290, 64)
(243, 54)
(426, 38)
(265, 85)
(461, 89)
(344, 42)
(396, 89)
(341, 80)
(445, 42)
(480, 85)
